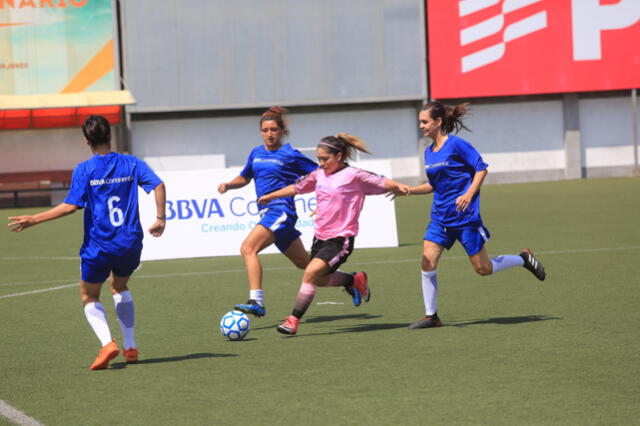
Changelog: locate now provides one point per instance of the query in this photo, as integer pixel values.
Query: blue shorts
(98, 268)
(472, 239)
(283, 226)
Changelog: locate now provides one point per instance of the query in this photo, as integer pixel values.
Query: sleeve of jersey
(305, 164)
(77, 195)
(371, 183)
(306, 183)
(147, 178)
(247, 172)
(471, 156)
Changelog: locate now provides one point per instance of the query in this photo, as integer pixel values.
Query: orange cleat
(360, 282)
(290, 325)
(106, 354)
(130, 354)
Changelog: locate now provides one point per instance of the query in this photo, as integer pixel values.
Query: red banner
(513, 47)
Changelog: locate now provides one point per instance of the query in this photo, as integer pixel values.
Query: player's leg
(93, 275)
(335, 252)
(431, 253)
(481, 262)
(125, 310)
(297, 254)
(299, 257)
(436, 239)
(474, 241)
(258, 239)
(94, 311)
(316, 273)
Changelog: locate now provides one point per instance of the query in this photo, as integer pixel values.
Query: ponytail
(451, 115)
(344, 143)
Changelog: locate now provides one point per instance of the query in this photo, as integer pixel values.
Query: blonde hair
(345, 143)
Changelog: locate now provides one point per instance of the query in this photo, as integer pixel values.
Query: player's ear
(86, 141)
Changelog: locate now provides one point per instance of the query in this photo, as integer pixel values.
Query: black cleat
(533, 264)
(355, 295)
(429, 321)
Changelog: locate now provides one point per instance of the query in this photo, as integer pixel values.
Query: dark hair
(97, 130)
(277, 114)
(344, 143)
(451, 115)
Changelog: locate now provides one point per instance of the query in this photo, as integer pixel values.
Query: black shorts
(334, 251)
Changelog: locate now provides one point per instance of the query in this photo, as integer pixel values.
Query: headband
(332, 146)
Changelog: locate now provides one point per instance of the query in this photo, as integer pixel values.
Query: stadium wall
(203, 71)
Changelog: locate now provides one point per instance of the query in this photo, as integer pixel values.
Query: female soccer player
(455, 171)
(106, 186)
(272, 165)
(340, 190)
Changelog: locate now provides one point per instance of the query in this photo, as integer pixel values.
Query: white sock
(126, 317)
(94, 312)
(430, 291)
(505, 262)
(257, 295)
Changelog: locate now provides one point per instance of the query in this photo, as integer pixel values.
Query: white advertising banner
(203, 223)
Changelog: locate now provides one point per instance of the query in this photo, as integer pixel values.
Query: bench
(37, 186)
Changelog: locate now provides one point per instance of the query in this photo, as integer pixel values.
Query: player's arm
(397, 188)
(25, 221)
(287, 191)
(160, 194)
(237, 182)
(462, 202)
(425, 188)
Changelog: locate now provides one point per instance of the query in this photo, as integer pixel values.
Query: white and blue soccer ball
(234, 325)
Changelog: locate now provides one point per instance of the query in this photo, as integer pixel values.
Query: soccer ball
(234, 325)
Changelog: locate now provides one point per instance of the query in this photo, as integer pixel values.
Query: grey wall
(513, 125)
(212, 54)
(389, 130)
(606, 120)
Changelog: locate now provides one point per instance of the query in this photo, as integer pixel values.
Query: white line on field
(43, 290)
(40, 258)
(17, 416)
(281, 268)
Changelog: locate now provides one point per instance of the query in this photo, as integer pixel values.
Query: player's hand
(463, 202)
(264, 200)
(223, 187)
(21, 222)
(158, 228)
(399, 191)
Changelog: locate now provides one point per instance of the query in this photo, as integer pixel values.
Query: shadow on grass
(391, 326)
(503, 320)
(328, 318)
(119, 365)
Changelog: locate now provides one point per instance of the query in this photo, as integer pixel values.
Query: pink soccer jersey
(340, 198)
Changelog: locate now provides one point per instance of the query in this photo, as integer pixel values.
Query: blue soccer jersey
(450, 171)
(106, 186)
(273, 170)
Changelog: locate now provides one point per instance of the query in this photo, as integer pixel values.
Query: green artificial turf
(512, 350)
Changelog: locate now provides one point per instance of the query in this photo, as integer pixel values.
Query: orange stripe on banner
(97, 67)
(12, 24)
